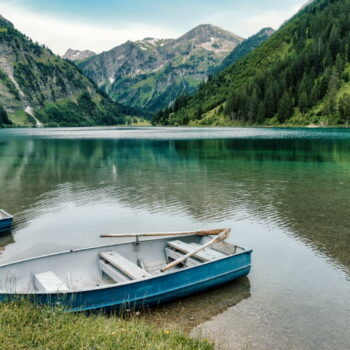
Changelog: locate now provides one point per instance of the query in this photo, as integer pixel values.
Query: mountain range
(151, 73)
(299, 76)
(38, 87)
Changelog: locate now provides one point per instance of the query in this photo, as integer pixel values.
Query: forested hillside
(245, 47)
(299, 76)
(39, 88)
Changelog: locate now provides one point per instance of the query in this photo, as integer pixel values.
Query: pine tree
(253, 106)
(270, 105)
(199, 112)
(334, 41)
(344, 108)
(304, 103)
(339, 64)
(331, 97)
(4, 119)
(286, 107)
(261, 114)
(315, 93)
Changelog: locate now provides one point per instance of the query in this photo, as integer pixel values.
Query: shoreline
(31, 326)
(147, 125)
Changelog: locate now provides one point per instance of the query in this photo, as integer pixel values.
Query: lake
(284, 192)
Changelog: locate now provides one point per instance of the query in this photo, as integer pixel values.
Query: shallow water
(284, 192)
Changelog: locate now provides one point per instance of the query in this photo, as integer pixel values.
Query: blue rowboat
(5, 221)
(130, 274)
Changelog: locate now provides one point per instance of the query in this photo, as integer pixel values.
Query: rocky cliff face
(151, 73)
(77, 55)
(34, 81)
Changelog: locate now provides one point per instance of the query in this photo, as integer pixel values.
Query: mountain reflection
(300, 184)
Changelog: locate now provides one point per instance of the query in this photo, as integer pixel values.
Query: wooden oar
(198, 233)
(222, 236)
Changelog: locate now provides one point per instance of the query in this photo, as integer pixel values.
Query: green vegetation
(9, 84)
(55, 89)
(4, 119)
(21, 118)
(156, 90)
(245, 47)
(299, 76)
(84, 112)
(25, 326)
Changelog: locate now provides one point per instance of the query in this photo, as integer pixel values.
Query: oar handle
(198, 233)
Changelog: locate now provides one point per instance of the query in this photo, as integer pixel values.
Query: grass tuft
(26, 326)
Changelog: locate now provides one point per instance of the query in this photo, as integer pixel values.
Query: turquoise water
(284, 192)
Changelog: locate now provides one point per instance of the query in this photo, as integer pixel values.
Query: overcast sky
(99, 25)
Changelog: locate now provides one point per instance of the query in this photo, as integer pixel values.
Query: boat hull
(5, 224)
(150, 291)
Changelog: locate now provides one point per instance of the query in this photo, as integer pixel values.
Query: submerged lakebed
(284, 192)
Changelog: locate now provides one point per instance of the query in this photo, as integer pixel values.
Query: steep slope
(245, 47)
(151, 73)
(299, 76)
(77, 55)
(38, 87)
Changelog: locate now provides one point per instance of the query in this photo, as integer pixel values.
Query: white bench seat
(124, 265)
(205, 255)
(112, 272)
(49, 282)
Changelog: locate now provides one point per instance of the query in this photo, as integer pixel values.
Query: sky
(100, 25)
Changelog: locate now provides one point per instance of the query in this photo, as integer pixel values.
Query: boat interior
(98, 267)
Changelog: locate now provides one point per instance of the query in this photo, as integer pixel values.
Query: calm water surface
(284, 192)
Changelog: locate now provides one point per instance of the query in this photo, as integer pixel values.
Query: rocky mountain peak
(77, 55)
(151, 72)
(204, 33)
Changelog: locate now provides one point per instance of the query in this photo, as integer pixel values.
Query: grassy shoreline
(26, 326)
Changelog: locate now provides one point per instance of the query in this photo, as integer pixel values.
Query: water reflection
(189, 312)
(285, 193)
(301, 184)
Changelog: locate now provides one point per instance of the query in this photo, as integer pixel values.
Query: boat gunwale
(245, 251)
(8, 215)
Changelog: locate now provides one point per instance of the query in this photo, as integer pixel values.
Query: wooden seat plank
(204, 255)
(113, 273)
(214, 253)
(49, 282)
(124, 265)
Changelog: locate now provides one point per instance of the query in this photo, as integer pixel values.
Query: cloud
(60, 34)
(247, 25)
(272, 18)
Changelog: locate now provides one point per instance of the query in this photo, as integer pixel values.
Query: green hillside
(245, 47)
(39, 88)
(299, 76)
